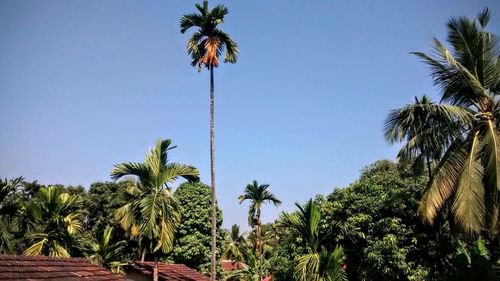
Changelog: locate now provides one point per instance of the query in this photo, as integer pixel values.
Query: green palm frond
(58, 219)
(468, 74)
(153, 214)
(206, 22)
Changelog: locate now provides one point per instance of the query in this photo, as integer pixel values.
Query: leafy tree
(56, 220)
(468, 175)
(153, 214)
(205, 46)
(257, 195)
(236, 245)
(107, 254)
(385, 238)
(319, 264)
(192, 241)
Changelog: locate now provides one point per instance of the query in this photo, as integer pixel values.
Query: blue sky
(88, 84)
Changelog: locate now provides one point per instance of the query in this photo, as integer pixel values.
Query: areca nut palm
(107, 254)
(153, 213)
(427, 128)
(236, 245)
(257, 195)
(56, 220)
(468, 174)
(319, 264)
(205, 46)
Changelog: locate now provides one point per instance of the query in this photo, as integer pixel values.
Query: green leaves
(462, 136)
(57, 220)
(208, 42)
(153, 213)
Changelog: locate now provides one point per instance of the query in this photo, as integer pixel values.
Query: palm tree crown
(258, 195)
(153, 213)
(468, 174)
(427, 129)
(319, 264)
(208, 42)
(56, 220)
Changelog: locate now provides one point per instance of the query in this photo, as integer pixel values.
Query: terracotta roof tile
(14, 267)
(170, 272)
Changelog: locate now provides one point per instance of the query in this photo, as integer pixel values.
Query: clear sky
(88, 84)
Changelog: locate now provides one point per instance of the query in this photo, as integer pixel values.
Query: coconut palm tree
(153, 213)
(236, 245)
(427, 129)
(257, 195)
(205, 47)
(56, 220)
(319, 264)
(468, 174)
(107, 254)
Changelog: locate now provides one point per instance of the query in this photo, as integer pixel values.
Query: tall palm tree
(56, 220)
(427, 129)
(236, 246)
(468, 174)
(258, 195)
(319, 264)
(205, 46)
(153, 213)
(107, 254)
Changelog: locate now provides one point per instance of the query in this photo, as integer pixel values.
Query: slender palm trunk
(212, 177)
(155, 269)
(258, 248)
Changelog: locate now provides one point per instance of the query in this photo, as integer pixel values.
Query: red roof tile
(170, 272)
(230, 265)
(48, 268)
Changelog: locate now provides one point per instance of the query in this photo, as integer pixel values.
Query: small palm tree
(107, 254)
(153, 213)
(427, 129)
(236, 245)
(258, 195)
(319, 264)
(205, 47)
(468, 174)
(56, 221)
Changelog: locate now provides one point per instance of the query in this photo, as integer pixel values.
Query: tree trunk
(212, 178)
(429, 167)
(258, 247)
(143, 255)
(155, 270)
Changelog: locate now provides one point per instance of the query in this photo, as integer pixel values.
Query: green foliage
(257, 195)
(192, 242)
(55, 219)
(236, 246)
(318, 263)
(463, 135)
(153, 214)
(107, 254)
(208, 42)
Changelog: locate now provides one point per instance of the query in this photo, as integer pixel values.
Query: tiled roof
(48, 268)
(230, 265)
(170, 272)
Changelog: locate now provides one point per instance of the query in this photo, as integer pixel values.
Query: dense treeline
(89, 212)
